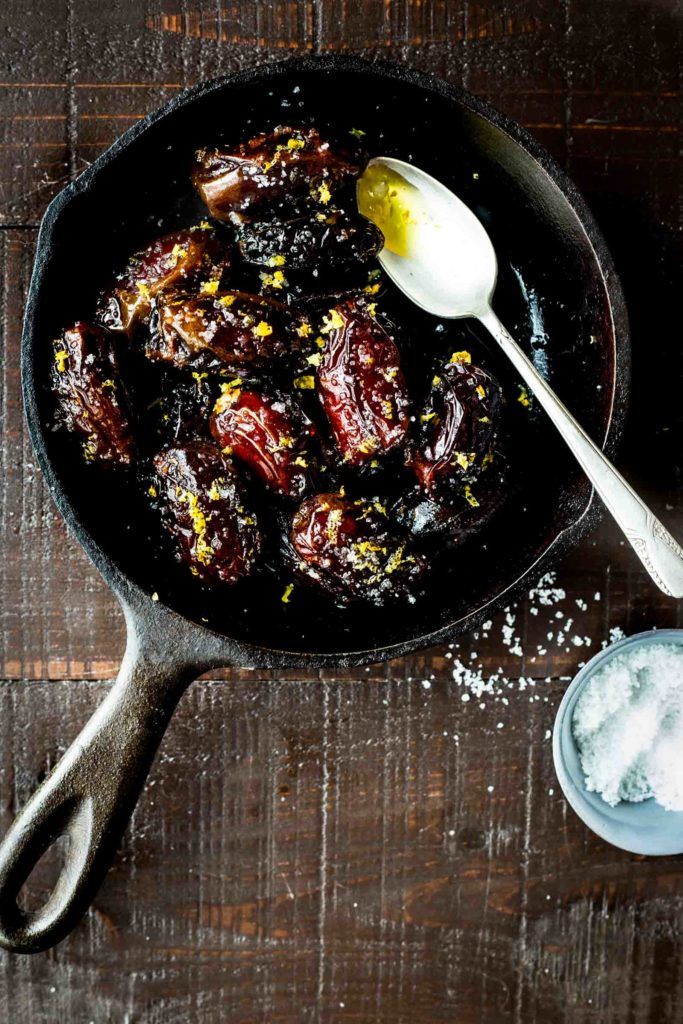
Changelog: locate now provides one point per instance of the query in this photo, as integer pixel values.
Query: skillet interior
(551, 293)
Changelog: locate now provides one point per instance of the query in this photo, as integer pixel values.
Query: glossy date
(178, 260)
(228, 330)
(361, 385)
(268, 434)
(315, 242)
(90, 397)
(457, 427)
(352, 550)
(284, 165)
(202, 508)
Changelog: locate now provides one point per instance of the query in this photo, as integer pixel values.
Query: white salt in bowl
(644, 827)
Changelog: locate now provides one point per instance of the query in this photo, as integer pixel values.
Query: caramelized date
(91, 399)
(232, 330)
(202, 509)
(174, 261)
(308, 243)
(268, 434)
(361, 385)
(283, 165)
(454, 521)
(350, 549)
(457, 427)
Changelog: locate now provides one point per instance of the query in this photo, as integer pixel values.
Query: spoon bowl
(450, 266)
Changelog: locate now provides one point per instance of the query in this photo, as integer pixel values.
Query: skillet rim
(234, 650)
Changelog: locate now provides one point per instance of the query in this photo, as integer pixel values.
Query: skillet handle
(90, 794)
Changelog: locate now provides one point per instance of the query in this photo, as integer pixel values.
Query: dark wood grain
(359, 846)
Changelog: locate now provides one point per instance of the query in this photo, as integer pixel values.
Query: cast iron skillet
(557, 286)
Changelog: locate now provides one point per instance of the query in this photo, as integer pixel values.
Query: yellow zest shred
(304, 329)
(262, 329)
(481, 391)
(226, 300)
(60, 358)
(143, 289)
(203, 551)
(461, 357)
(231, 385)
(324, 194)
(199, 377)
(152, 491)
(523, 397)
(469, 497)
(395, 561)
(332, 322)
(304, 383)
(177, 253)
(295, 144)
(287, 593)
(427, 416)
(371, 289)
(333, 523)
(275, 280)
(436, 380)
(315, 359)
(300, 461)
(277, 261)
(108, 383)
(210, 287)
(370, 444)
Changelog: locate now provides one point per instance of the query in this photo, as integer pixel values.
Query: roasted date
(232, 330)
(457, 427)
(351, 549)
(91, 398)
(286, 164)
(316, 242)
(178, 260)
(361, 385)
(267, 433)
(461, 517)
(202, 508)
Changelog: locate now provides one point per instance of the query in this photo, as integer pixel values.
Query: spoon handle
(656, 548)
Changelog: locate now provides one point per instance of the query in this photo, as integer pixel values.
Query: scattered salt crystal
(489, 789)
(426, 685)
(628, 725)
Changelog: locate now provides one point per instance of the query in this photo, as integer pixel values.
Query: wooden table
(371, 846)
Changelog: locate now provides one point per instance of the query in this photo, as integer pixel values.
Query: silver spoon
(450, 270)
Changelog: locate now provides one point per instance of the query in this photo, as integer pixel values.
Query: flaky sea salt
(628, 725)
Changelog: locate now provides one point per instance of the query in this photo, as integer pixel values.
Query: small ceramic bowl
(644, 827)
